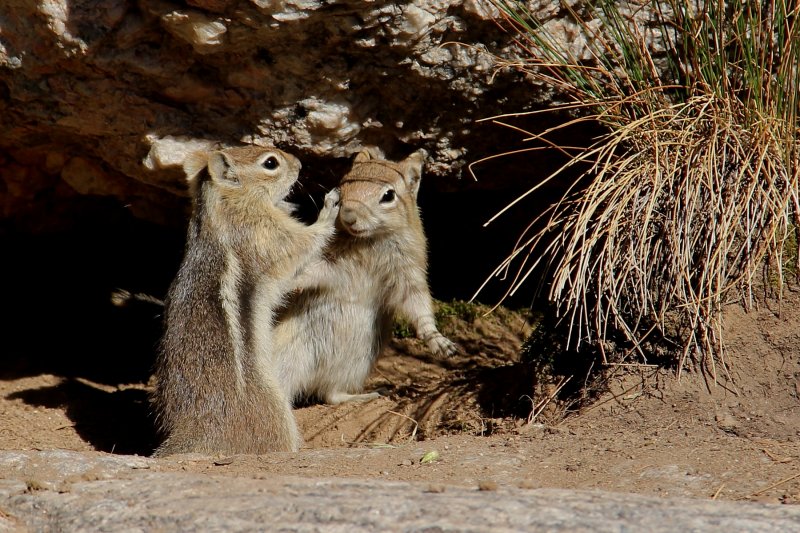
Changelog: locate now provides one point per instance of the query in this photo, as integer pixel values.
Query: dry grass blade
(693, 188)
(774, 485)
(416, 424)
(542, 405)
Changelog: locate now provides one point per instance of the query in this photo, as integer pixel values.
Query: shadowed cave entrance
(67, 254)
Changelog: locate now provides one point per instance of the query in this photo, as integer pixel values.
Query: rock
(435, 488)
(88, 177)
(726, 422)
(111, 94)
(487, 485)
(127, 90)
(170, 152)
(122, 493)
(206, 35)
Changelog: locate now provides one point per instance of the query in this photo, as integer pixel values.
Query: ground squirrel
(216, 388)
(327, 337)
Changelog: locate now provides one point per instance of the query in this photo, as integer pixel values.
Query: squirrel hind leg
(335, 398)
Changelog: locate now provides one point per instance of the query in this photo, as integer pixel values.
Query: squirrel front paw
(330, 209)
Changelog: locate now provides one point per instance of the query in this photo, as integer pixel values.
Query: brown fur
(328, 337)
(216, 390)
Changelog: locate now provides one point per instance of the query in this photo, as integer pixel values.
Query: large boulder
(106, 97)
(67, 491)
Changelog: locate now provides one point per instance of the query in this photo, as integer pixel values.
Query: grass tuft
(694, 186)
(466, 311)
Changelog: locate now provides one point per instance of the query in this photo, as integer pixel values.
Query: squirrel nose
(347, 215)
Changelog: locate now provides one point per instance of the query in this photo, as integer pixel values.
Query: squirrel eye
(271, 163)
(388, 196)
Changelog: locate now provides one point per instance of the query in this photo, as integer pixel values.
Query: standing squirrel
(328, 336)
(216, 387)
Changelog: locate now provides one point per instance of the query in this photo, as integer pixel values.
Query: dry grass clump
(694, 187)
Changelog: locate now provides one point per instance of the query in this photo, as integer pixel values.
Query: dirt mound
(473, 392)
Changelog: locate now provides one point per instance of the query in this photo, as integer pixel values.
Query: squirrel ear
(411, 167)
(362, 156)
(194, 164)
(220, 169)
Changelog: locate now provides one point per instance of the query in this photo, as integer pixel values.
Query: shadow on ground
(60, 320)
(114, 420)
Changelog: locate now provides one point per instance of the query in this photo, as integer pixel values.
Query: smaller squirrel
(328, 336)
(217, 390)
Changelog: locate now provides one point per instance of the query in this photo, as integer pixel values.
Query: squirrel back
(216, 389)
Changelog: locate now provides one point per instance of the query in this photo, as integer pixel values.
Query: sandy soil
(465, 420)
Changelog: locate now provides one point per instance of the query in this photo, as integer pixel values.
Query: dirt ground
(465, 420)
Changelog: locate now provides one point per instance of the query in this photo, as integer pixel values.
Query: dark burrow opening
(61, 274)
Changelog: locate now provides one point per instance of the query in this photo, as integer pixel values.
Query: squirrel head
(380, 196)
(243, 170)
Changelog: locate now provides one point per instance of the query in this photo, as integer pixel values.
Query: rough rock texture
(102, 99)
(68, 491)
(105, 97)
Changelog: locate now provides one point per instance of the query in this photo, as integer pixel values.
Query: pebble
(487, 484)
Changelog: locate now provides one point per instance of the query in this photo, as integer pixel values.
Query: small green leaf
(429, 457)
